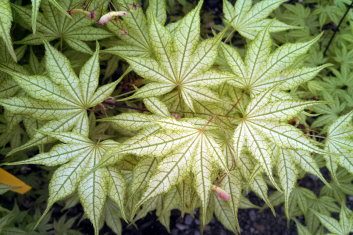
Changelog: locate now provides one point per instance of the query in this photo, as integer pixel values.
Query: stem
(208, 114)
(229, 36)
(316, 136)
(124, 94)
(236, 103)
(128, 70)
(125, 106)
(338, 27)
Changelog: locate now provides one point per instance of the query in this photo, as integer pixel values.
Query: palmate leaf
(308, 203)
(76, 158)
(181, 148)
(181, 63)
(52, 25)
(61, 97)
(263, 125)
(343, 226)
(137, 41)
(248, 20)
(339, 144)
(35, 10)
(5, 26)
(262, 69)
(340, 186)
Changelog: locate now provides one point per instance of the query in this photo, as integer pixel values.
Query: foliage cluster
(151, 111)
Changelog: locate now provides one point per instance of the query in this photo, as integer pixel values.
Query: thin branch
(338, 27)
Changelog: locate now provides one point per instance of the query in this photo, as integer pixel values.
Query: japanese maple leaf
(60, 97)
(132, 29)
(264, 124)
(249, 20)
(181, 148)
(35, 11)
(262, 69)
(304, 201)
(182, 63)
(52, 24)
(76, 157)
(343, 226)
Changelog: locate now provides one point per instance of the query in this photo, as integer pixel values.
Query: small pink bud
(102, 107)
(221, 193)
(110, 99)
(176, 116)
(107, 17)
(92, 15)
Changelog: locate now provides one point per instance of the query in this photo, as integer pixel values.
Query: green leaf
(92, 191)
(11, 130)
(141, 174)
(262, 70)
(287, 173)
(249, 20)
(331, 224)
(116, 188)
(156, 106)
(77, 157)
(182, 63)
(256, 182)
(233, 185)
(35, 10)
(5, 26)
(4, 188)
(306, 162)
(136, 42)
(169, 202)
(191, 150)
(53, 24)
(346, 222)
(88, 76)
(112, 217)
(263, 125)
(301, 229)
(338, 144)
(224, 214)
(61, 97)
(132, 121)
(157, 9)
